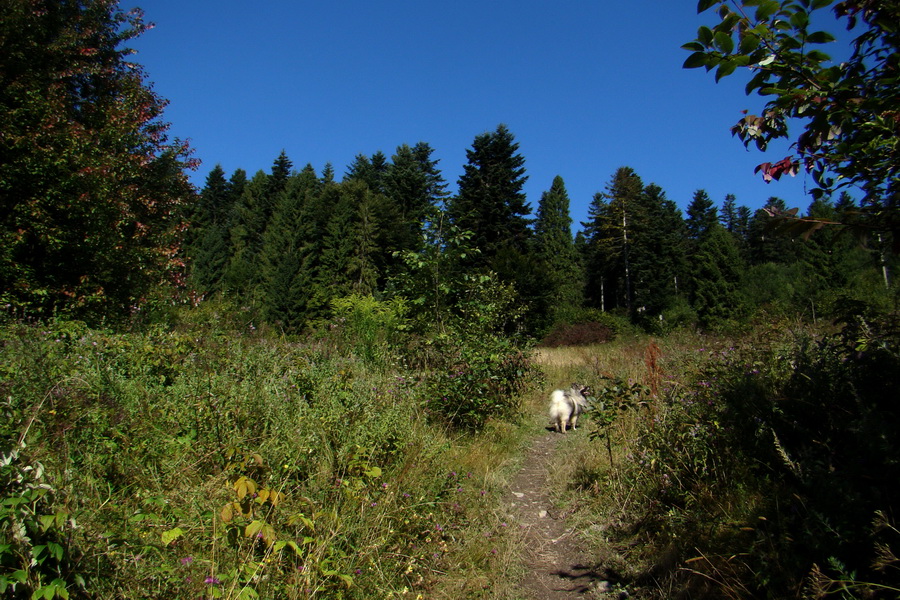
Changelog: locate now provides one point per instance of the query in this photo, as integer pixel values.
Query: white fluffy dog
(566, 405)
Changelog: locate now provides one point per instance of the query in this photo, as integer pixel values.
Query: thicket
(763, 466)
(201, 460)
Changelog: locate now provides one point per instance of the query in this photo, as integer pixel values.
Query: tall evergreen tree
(349, 244)
(658, 254)
(701, 215)
(555, 248)
(490, 202)
(312, 287)
(613, 215)
(728, 216)
(413, 186)
(370, 171)
(242, 275)
(281, 172)
(717, 269)
(210, 241)
(280, 258)
(767, 244)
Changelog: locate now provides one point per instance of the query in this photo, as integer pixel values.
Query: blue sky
(585, 87)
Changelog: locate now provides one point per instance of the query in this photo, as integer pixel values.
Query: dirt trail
(557, 565)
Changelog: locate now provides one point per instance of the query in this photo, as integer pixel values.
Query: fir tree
(490, 202)
(613, 216)
(701, 215)
(210, 238)
(728, 216)
(555, 248)
(765, 243)
(658, 254)
(717, 270)
(413, 186)
(246, 234)
(280, 258)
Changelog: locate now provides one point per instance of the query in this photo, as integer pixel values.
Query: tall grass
(762, 466)
(202, 462)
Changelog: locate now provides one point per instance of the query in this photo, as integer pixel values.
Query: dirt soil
(557, 564)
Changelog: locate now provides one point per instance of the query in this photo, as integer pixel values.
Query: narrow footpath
(557, 565)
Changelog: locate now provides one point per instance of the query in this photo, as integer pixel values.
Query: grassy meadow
(209, 460)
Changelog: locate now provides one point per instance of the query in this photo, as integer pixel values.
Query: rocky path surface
(558, 566)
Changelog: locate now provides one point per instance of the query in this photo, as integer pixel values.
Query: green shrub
(781, 452)
(478, 380)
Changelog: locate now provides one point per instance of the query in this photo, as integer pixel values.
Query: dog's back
(566, 405)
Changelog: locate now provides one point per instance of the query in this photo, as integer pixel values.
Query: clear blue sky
(585, 87)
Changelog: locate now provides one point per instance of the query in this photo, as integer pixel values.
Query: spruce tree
(728, 216)
(767, 245)
(658, 255)
(555, 248)
(717, 269)
(701, 215)
(210, 241)
(613, 217)
(280, 258)
(490, 202)
(242, 275)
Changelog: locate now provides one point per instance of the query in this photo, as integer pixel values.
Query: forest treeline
(286, 243)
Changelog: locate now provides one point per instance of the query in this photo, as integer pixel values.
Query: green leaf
(703, 5)
(695, 60)
(705, 35)
(817, 4)
(693, 46)
(253, 528)
(766, 10)
(171, 535)
(724, 42)
(725, 69)
(248, 593)
(800, 19)
(820, 37)
(749, 43)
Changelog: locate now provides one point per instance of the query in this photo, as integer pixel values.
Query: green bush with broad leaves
(780, 452)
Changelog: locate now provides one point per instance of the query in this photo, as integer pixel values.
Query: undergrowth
(757, 467)
(198, 461)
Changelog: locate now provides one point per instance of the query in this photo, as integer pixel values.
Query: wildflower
(186, 560)
(212, 581)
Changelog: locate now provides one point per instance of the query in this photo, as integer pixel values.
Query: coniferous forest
(312, 384)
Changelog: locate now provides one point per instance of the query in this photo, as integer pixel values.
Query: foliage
(478, 373)
(846, 106)
(611, 398)
(368, 328)
(202, 461)
(585, 326)
(91, 190)
(555, 247)
(490, 202)
(778, 452)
